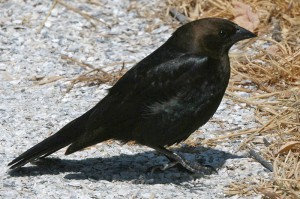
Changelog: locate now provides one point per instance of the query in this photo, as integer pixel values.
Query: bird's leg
(176, 159)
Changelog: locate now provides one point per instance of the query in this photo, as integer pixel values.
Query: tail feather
(51, 144)
(62, 138)
(86, 140)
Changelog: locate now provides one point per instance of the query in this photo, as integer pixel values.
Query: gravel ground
(31, 111)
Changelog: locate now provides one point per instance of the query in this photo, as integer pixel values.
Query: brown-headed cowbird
(161, 100)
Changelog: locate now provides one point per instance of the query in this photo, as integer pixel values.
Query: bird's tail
(62, 138)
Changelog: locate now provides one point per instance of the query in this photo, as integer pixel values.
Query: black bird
(161, 100)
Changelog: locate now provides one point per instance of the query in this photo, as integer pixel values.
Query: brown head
(209, 36)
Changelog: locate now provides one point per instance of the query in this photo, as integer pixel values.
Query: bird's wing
(116, 115)
(141, 86)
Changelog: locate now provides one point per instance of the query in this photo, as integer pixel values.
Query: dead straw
(274, 73)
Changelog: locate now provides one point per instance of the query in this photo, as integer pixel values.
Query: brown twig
(86, 16)
(80, 63)
(178, 16)
(261, 160)
(48, 14)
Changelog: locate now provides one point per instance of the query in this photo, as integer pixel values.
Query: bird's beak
(242, 33)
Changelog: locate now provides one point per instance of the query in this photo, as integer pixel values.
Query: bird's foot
(202, 169)
(194, 168)
(175, 159)
(162, 167)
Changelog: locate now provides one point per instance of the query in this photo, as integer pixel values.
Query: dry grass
(94, 76)
(274, 87)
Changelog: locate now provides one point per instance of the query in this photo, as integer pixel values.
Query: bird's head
(209, 36)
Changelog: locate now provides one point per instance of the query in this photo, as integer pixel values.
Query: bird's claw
(203, 169)
(195, 168)
(162, 167)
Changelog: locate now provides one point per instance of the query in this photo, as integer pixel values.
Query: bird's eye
(223, 34)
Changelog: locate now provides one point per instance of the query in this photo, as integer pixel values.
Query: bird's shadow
(127, 167)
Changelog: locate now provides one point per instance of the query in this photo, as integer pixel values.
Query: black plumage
(162, 99)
